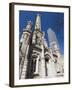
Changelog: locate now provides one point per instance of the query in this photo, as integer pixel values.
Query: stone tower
(38, 50)
(24, 48)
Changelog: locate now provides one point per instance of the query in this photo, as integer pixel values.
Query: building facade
(36, 58)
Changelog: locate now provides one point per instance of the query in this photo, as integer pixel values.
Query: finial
(29, 22)
(29, 25)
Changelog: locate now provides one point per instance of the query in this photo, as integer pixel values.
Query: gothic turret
(24, 47)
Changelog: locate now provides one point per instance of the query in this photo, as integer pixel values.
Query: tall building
(36, 58)
(53, 42)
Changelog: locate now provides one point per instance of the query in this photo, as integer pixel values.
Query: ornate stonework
(36, 59)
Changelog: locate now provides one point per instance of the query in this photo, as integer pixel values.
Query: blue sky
(52, 20)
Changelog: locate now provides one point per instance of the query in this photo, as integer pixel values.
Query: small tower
(24, 47)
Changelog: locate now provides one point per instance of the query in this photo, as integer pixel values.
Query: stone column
(42, 64)
(37, 65)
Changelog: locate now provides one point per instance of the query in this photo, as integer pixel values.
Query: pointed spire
(38, 23)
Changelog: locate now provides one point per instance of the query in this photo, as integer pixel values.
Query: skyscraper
(53, 42)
